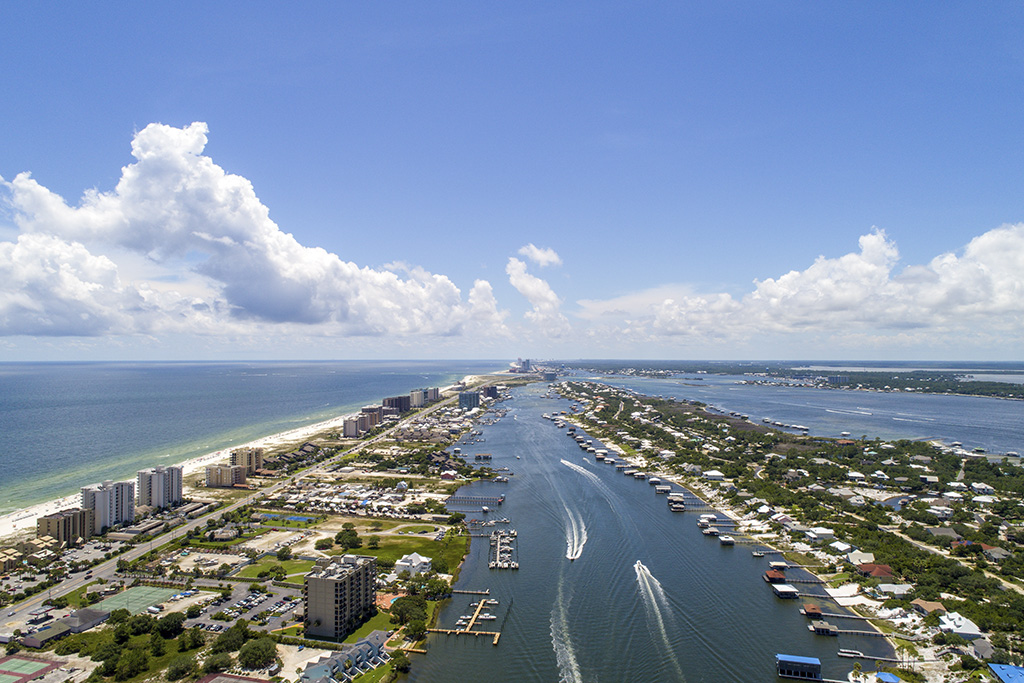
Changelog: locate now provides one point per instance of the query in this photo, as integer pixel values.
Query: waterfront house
(414, 563)
(819, 534)
(926, 607)
(995, 554)
(1007, 673)
(878, 571)
(956, 623)
(858, 557)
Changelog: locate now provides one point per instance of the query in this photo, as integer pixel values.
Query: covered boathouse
(793, 666)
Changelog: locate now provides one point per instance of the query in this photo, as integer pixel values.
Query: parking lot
(275, 607)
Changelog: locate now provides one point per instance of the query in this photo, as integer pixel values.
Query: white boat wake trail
(575, 534)
(655, 601)
(568, 667)
(614, 501)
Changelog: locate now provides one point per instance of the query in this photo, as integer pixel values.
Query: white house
(714, 475)
(819, 533)
(414, 563)
(956, 623)
(982, 488)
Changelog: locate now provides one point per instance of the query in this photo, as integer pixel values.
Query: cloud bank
(860, 293)
(175, 206)
(182, 248)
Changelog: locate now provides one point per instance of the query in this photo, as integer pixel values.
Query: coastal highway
(16, 616)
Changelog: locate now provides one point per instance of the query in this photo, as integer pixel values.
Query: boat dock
(486, 591)
(857, 654)
(474, 500)
(467, 630)
(503, 552)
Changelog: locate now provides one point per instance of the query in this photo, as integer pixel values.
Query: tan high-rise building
(340, 593)
(219, 476)
(70, 527)
(251, 458)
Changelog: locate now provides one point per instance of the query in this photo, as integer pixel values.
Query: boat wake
(656, 604)
(575, 534)
(848, 412)
(565, 656)
(615, 502)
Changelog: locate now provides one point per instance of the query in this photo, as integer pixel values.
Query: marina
(587, 528)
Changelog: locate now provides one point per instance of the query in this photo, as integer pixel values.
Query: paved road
(106, 570)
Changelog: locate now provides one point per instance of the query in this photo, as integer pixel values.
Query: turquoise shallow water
(65, 425)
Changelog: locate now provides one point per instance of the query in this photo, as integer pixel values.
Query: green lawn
(373, 676)
(380, 622)
(418, 528)
(393, 548)
(291, 567)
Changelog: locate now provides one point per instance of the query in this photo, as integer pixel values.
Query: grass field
(291, 567)
(380, 622)
(393, 548)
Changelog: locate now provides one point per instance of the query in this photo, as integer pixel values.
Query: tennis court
(17, 669)
(135, 600)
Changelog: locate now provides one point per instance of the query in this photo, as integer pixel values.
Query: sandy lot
(208, 561)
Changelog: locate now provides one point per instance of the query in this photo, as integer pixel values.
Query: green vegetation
(268, 567)
(806, 477)
(378, 622)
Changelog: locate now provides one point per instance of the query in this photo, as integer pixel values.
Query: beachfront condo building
(402, 403)
(159, 487)
(70, 527)
(339, 594)
(468, 400)
(251, 458)
(112, 503)
(417, 398)
(219, 476)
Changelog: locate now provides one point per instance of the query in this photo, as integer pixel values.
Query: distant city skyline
(724, 181)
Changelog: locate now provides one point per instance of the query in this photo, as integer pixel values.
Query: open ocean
(66, 425)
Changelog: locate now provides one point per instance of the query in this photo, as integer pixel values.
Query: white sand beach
(23, 521)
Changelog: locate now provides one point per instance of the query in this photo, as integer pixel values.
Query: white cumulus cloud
(542, 257)
(546, 306)
(979, 292)
(175, 206)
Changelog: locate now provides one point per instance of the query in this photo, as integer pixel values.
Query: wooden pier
(855, 654)
(467, 630)
(486, 591)
(829, 615)
(474, 500)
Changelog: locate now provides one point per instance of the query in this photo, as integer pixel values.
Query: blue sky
(650, 180)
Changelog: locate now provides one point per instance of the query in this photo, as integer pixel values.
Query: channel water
(645, 597)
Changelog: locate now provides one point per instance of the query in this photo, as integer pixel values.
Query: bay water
(645, 597)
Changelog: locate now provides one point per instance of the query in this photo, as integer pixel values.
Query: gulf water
(66, 425)
(646, 597)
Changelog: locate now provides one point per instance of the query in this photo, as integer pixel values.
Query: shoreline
(22, 521)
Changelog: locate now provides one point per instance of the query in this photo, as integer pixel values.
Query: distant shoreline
(23, 520)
